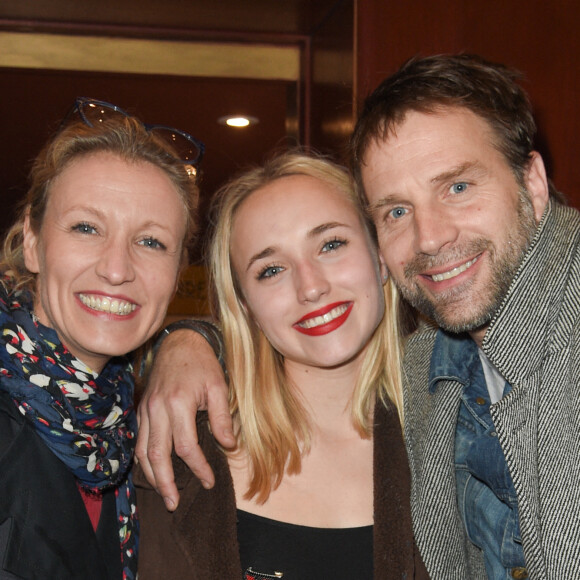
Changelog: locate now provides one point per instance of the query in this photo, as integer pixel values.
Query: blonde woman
(318, 484)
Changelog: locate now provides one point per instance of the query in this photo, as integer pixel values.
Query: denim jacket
(485, 491)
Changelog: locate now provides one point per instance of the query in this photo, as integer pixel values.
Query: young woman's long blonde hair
(273, 426)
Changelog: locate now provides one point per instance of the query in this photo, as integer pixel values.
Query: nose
(115, 263)
(434, 229)
(311, 282)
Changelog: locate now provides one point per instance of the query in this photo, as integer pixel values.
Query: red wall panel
(541, 39)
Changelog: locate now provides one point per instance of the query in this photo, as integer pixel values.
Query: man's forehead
(389, 130)
(443, 122)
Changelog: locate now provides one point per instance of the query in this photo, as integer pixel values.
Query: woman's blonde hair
(273, 425)
(124, 137)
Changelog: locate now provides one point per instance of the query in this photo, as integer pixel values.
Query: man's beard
(504, 263)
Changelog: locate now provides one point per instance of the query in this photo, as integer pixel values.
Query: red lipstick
(324, 327)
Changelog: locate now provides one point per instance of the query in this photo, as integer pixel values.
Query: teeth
(325, 318)
(103, 304)
(454, 272)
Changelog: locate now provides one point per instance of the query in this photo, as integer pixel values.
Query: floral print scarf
(87, 420)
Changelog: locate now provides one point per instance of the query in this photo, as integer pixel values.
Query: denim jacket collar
(453, 355)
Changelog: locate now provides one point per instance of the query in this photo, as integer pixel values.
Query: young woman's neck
(326, 392)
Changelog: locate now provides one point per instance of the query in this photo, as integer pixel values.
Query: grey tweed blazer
(534, 341)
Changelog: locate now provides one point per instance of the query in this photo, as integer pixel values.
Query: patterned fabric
(87, 420)
(534, 342)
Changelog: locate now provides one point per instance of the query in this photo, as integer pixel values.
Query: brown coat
(199, 540)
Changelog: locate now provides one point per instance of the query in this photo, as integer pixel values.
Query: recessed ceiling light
(237, 120)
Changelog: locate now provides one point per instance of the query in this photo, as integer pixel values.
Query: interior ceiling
(301, 17)
(37, 99)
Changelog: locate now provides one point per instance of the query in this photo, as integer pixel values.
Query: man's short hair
(426, 84)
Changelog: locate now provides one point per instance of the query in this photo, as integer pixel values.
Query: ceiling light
(237, 120)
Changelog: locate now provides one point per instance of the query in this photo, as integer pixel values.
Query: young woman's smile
(324, 320)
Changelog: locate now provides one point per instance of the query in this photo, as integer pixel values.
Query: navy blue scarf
(88, 421)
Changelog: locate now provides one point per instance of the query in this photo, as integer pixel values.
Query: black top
(302, 552)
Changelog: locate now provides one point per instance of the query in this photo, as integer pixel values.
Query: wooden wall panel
(539, 38)
(331, 70)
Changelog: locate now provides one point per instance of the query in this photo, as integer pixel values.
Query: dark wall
(539, 38)
(33, 103)
(332, 72)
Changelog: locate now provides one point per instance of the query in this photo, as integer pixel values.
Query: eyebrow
(101, 215)
(260, 256)
(89, 209)
(325, 227)
(314, 232)
(387, 200)
(457, 171)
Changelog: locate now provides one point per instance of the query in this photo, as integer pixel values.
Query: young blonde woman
(318, 484)
(87, 273)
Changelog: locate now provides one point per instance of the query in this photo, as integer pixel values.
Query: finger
(141, 444)
(160, 471)
(154, 451)
(185, 442)
(220, 419)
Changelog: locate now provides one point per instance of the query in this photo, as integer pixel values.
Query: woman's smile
(324, 320)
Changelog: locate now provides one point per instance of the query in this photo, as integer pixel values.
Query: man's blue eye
(398, 212)
(459, 187)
